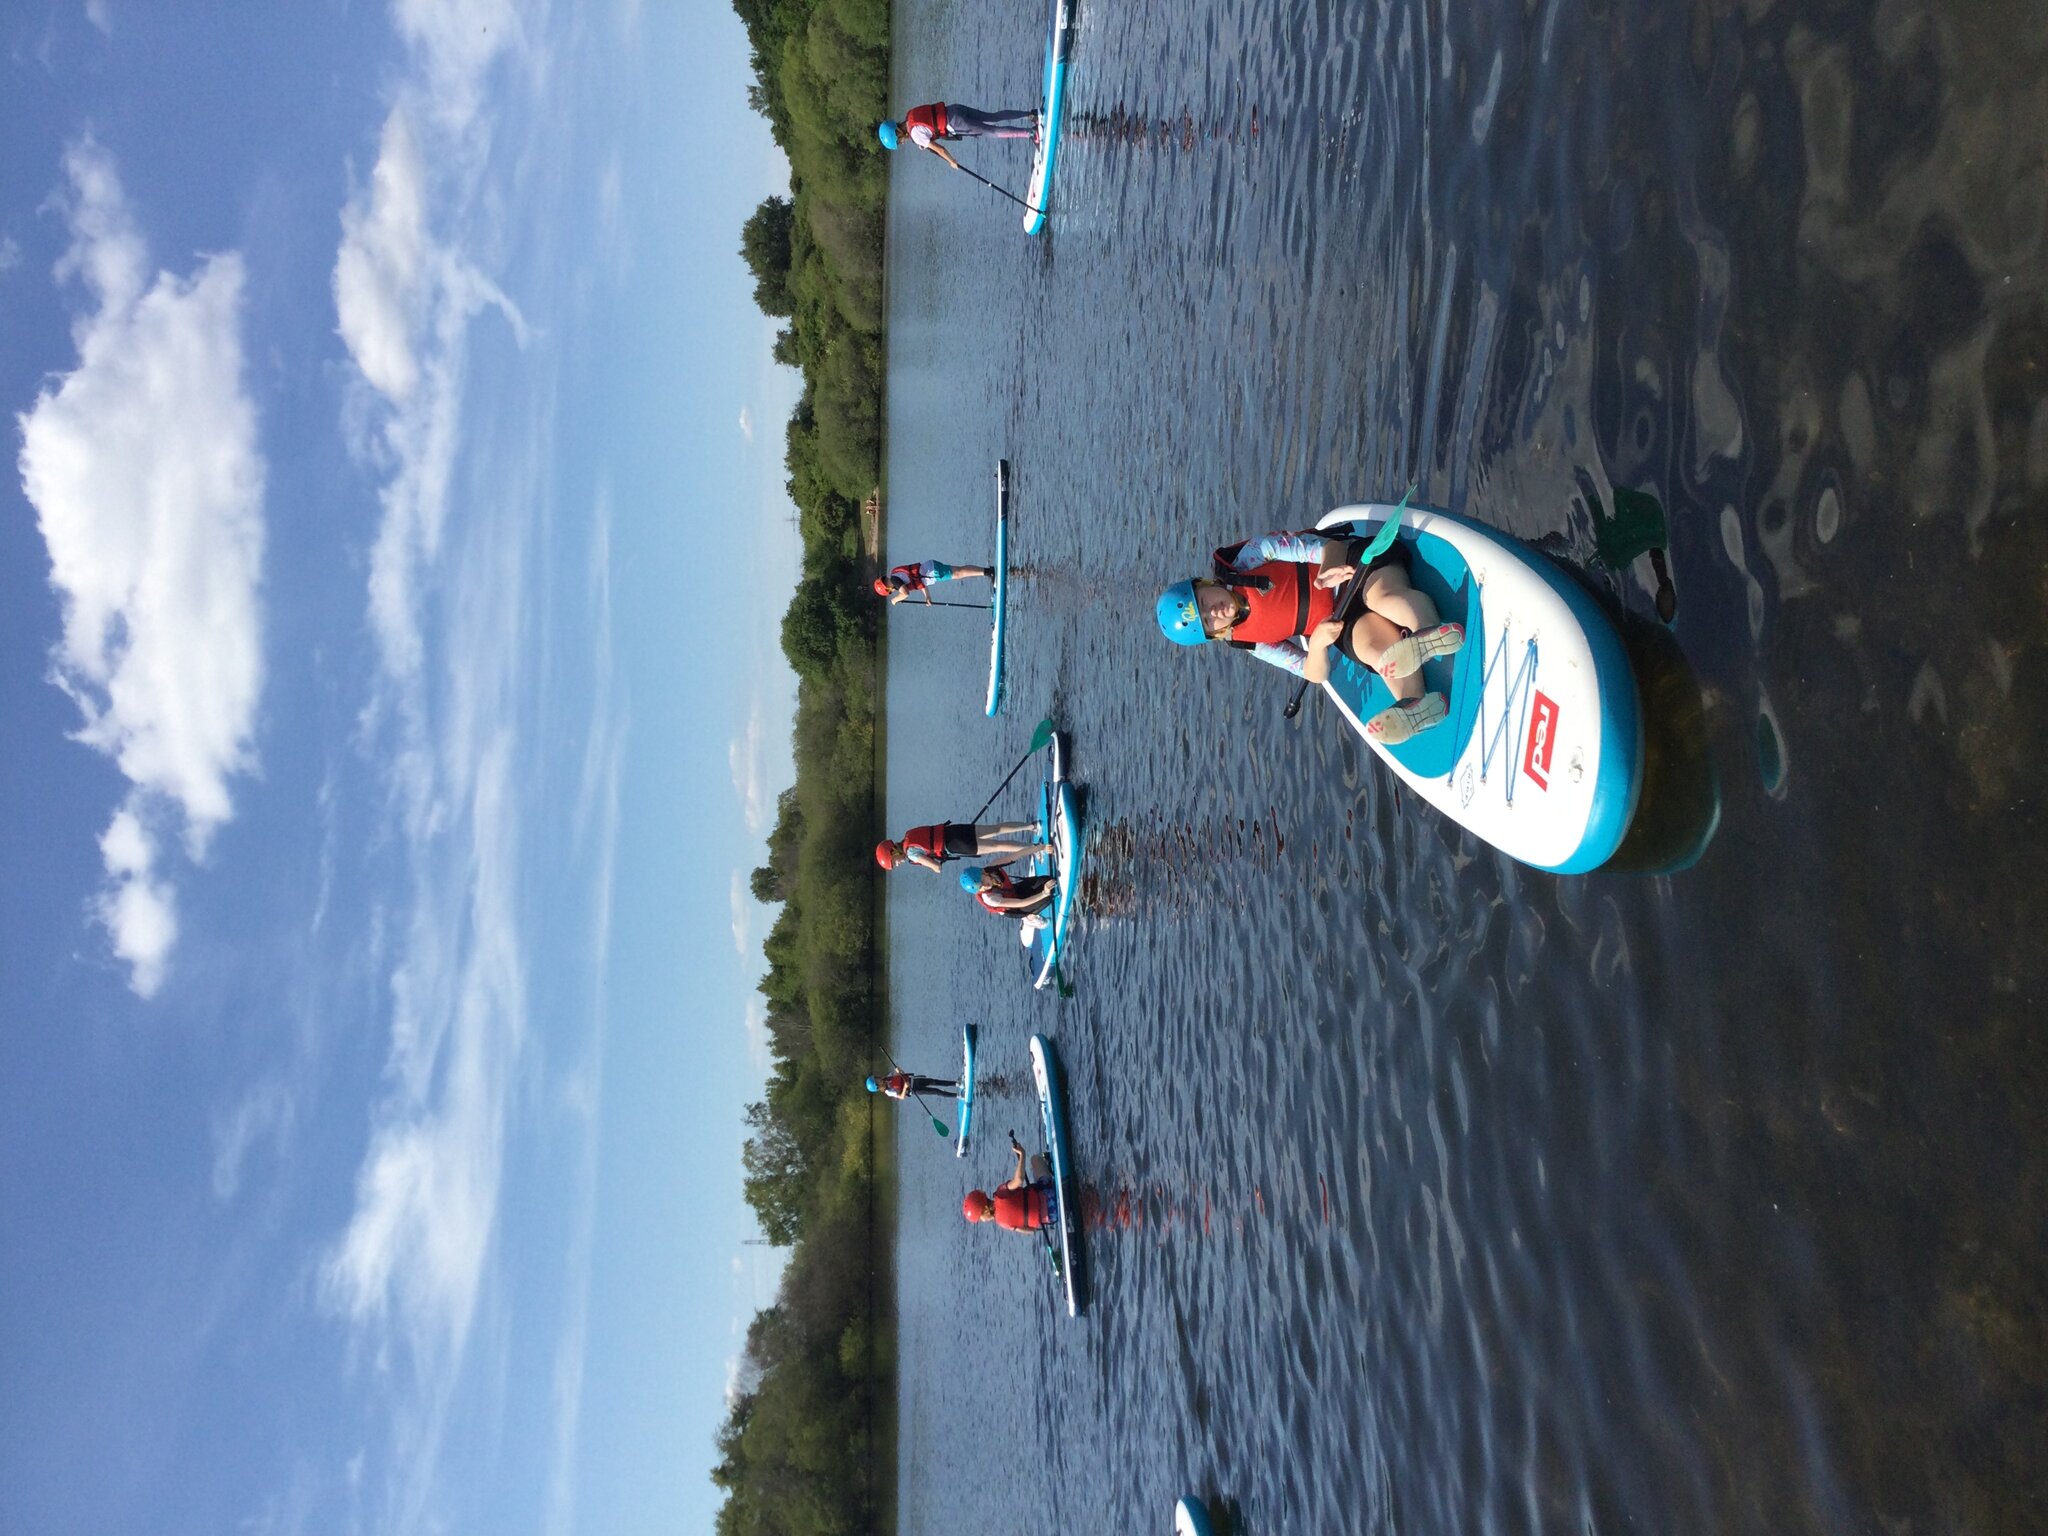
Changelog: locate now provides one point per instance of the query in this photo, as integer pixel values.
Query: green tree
(764, 246)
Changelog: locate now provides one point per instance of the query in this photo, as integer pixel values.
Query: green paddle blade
(940, 1126)
(1389, 531)
(1043, 734)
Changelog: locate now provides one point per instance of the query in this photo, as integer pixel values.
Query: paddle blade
(1043, 734)
(940, 1126)
(1389, 531)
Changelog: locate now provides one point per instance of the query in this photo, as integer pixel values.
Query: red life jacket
(908, 576)
(1004, 886)
(928, 840)
(1284, 598)
(896, 1084)
(1021, 1210)
(932, 116)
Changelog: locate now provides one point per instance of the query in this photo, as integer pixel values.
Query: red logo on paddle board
(1542, 740)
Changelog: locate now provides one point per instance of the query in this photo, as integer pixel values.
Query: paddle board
(1063, 1242)
(1542, 751)
(1191, 1518)
(1059, 822)
(1002, 588)
(1039, 188)
(965, 1098)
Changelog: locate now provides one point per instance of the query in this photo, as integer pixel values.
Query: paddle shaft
(1013, 197)
(1036, 745)
(979, 607)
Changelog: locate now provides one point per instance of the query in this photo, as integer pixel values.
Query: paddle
(981, 607)
(1013, 197)
(1039, 738)
(1381, 543)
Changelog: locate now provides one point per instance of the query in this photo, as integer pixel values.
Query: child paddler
(1019, 1204)
(924, 126)
(920, 576)
(1024, 897)
(1277, 596)
(932, 847)
(903, 1085)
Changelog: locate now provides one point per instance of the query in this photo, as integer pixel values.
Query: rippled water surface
(1432, 1194)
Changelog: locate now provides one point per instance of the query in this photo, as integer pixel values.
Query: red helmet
(882, 587)
(975, 1205)
(886, 855)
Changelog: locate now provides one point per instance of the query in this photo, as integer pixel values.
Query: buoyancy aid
(1284, 599)
(1006, 886)
(1021, 1210)
(911, 576)
(931, 117)
(928, 840)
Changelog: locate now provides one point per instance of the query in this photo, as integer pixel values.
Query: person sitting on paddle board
(931, 847)
(1019, 1204)
(1263, 598)
(902, 1085)
(918, 578)
(1025, 897)
(924, 126)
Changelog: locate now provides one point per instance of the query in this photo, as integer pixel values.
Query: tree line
(807, 1446)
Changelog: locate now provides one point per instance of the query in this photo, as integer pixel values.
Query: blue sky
(389, 585)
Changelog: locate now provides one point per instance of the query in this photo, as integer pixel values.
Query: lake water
(1431, 1194)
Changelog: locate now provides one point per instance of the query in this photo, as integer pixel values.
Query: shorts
(1398, 555)
(934, 570)
(961, 841)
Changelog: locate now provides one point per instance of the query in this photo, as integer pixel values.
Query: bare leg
(1388, 596)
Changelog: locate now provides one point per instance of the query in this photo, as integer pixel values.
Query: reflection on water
(1428, 1193)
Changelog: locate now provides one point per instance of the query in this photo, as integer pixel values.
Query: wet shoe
(1394, 725)
(1407, 655)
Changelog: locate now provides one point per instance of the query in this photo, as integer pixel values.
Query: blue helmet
(1180, 614)
(970, 881)
(873, 1086)
(887, 134)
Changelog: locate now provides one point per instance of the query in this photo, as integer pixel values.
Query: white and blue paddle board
(1059, 820)
(1542, 751)
(1000, 602)
(1191, 1518)
(1063, 1243)
(965, 1098)
(1039, 189)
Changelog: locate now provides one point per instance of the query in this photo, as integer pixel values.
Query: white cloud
(746, 424)
(742, 914)
(755, 1026)
(745, 755)
(10, 254)
(378, 274)
(143, 466)
(265, 1114)
(101, 15)
(455, 42)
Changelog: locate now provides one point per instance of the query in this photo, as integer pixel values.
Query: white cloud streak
(144, 469)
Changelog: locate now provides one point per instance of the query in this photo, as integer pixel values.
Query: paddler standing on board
(1265, 599)
(924, 126)
(1019, 1204)
(934, 846)
(918, 578)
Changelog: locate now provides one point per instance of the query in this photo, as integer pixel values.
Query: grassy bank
(808, 1445)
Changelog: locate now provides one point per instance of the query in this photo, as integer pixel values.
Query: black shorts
(961, 843)
(1398, 555)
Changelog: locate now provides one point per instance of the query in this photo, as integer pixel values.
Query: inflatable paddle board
(1059, 823)
(1541, 753)
(1039, 188)
(1191, 1518)
(1063, 1239)
(1002, 588)
(965, 1101)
